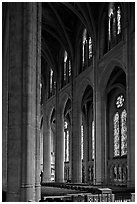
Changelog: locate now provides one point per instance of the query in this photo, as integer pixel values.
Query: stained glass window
(52, 83)
(84, 46)
(123, 132)
(120, 101)
(66, 69)
(82, 134)
(90, 48)
(65, 65)
(118, 20)
(116, 135)
(69, 68)
(51, 80)
(66, 137)
(67, 150)
(114, 24)
(87, 48)
(93, 147)
(120, 127)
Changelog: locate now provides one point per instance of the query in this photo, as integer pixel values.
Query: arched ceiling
(60, 25)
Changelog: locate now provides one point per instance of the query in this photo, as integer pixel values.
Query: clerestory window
(52, 83)
(66, 69)
(114, 25)
(87, 49)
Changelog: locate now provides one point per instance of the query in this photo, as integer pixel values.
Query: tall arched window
(66, 69)
(120, 127)
(66, 135)
(82, 137)
(111, 27)
(93, 140)
(114, 24)
(87, 49)
(52, 83)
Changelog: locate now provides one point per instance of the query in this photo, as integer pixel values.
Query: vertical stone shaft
(38, 106)
(59, 155)
(23, 125)
(46, 148)
(131, 101)
(5, 66)
(98, 143)
(76, 144)
(14, 102)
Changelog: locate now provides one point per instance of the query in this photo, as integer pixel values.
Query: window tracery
(66, 136)
(120, 101)
(120, 128)
(116, 135)
(87, 49)
(114, 24)
(52, 83)
(93, 141)
(66, 69)
(82, 135)
(123, 132)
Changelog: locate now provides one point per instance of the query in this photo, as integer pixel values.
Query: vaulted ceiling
(60, 24)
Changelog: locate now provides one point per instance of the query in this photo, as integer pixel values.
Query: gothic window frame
(111, 37)
(67, 141)
(114, 24)
(67, 69)
(52, 82)
(120, 108)
(87, 49)
(112, 110)
(82, 141)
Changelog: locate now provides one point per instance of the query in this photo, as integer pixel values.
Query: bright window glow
(90, 48)
(120, 101)
(66, 138)
(120, 128)
(82, 135)
(116, 135)
(84, 46)
(67, 149)
(65, 65)
(114, 25)
(51, 80)
(118, 21)
(69, 68)
(124, 133)
(93, 142)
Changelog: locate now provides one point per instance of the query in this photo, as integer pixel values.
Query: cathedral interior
(68, 101)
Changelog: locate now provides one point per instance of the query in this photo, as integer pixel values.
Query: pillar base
(13, 197)
(37, 192)
(27, 193)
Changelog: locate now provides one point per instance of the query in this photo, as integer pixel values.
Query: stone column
(76, 143)
(46, 147)
(5, 66)
(85, 148)
(23, 125)
(98, 142)
(59, 155)
(37, 39)
(131, 105)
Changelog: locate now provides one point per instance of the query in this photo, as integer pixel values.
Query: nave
(68, 100)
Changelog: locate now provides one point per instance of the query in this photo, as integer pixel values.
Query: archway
(87, 136)
(67, 141)
(116, 125)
